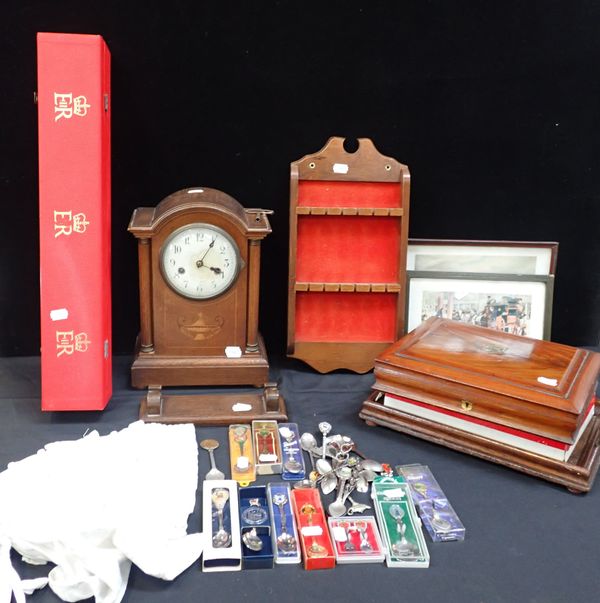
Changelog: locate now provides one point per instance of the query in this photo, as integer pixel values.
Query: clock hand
(200, 263)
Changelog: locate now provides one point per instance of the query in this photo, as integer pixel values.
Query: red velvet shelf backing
(345, 317)
(347, 249)
(320, 193)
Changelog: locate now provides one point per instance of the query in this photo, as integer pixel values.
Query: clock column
(253, 290)
(144, 258)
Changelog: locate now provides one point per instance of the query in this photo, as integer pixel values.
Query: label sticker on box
(340, 168)
(267, 458)
(59, 314)
(242, 463)
(339, 534)
(393, 493)
(286, 432)
(233, 351)
(241, 407)
(312, 531)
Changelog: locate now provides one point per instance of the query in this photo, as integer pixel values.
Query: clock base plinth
(149, 369)
(213, 408)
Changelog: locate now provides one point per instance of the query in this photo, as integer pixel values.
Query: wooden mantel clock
(199, 271)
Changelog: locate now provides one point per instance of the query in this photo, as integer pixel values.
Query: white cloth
(95, 505)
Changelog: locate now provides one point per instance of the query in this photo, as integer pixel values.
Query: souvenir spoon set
(311, 515)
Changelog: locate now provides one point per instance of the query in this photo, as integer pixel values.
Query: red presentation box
(74, 163)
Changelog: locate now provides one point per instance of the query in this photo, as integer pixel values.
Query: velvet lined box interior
(348, 249)
(348, 317)
(353, 249)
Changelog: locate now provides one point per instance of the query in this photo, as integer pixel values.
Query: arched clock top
(252, 222)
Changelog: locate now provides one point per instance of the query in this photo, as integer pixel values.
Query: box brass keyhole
(466, 405)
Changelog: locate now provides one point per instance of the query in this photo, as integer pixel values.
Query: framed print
(516, 304)
(491, 257)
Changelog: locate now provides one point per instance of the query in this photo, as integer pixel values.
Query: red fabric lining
(325, 193)
(354, 537)
(348, 249)
(345, 317)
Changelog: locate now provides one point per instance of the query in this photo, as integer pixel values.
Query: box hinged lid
(542, 387)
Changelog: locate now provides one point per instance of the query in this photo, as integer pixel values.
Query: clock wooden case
(199, 272)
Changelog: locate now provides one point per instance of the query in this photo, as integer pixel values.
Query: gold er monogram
(65, 223)
(67, 342)
(65, 106)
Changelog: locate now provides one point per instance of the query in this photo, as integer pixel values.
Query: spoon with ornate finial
(210, 446)
(286, 543)
(337, 508)
(221, 538)
(315, 549)
(401, 548)
(324, 428)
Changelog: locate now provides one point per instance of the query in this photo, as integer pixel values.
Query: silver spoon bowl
(371, 465)
(328, 483)
(286, 543)
(323, 467)
(337, 508)
(308, 443)
(252, 540)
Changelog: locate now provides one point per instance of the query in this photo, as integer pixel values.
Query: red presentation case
(74, 163)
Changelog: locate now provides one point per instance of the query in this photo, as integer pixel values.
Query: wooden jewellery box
(520, 402)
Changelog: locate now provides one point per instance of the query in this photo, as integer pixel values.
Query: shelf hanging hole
(350, 145)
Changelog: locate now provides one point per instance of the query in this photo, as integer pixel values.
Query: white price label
(394, 493)
(312, 531)
(233, 351)
(59, 314)
(339, 534)
(242, 463)
(547, 381)
(286, 432)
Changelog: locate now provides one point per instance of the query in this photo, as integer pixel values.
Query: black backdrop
(494, 106)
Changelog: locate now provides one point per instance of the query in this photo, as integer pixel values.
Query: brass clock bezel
(238, 267)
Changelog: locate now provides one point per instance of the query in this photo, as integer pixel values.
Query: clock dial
(200, 261)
